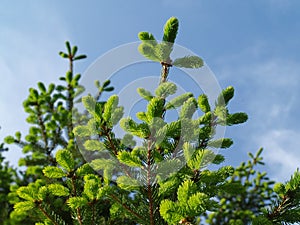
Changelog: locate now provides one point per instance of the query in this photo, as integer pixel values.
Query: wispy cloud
(282, 152)
(273, 90)
(267, 88)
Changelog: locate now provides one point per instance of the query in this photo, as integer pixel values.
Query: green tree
(163, 180)
(50, 110)
(249, 192)
(8, 175)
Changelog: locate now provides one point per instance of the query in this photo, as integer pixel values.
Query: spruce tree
(164, 179)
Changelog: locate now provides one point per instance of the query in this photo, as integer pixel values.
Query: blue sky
(252, 45)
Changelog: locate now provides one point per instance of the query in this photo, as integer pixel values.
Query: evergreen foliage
(164, 179)
(248, 191)
(7, 176)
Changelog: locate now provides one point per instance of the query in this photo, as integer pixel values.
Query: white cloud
(267, 89)
(271, 89)
(274, 88)
(281, 152)
(276, 73)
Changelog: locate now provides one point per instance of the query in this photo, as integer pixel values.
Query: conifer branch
(93, 214)
(138, 216)
(113, 147)
(42, 125)
(165, 71)
(47, 215)
(70, 99)
(78, 211)
(277, 211)
(149, 182)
